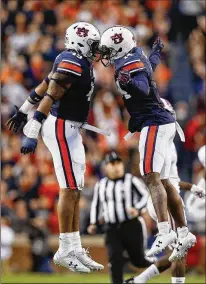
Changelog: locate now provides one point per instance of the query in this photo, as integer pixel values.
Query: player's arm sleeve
(154, 59)
(71, 68)
(139, 82)
(95, 206)
(141, 190)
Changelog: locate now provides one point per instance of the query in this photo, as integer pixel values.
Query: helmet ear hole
(120, 49)
(81, 45)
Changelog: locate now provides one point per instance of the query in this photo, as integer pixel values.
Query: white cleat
(182, 246)
(161, 242)
(71, 262)
(87, 261)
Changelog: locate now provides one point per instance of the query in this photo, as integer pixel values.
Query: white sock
(178, 279)
(149, 273)
(182, 232)
(163, 227)
(76, 241)
(65, 243)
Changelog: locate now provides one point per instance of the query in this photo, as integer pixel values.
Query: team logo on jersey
(82, 32)
(117, 38)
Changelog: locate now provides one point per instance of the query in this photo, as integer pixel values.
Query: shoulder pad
(133, 65)
(131, 62)
(69, 63)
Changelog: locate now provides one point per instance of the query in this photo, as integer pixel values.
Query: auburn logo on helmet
(82, 32)
(117, 38)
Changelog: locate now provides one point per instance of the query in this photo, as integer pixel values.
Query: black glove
(124, 78)
(158, 45)
(17, 121)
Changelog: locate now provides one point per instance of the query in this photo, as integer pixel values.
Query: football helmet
(115, 43)
(83, 38)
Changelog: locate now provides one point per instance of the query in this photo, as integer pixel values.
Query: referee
(119, 199)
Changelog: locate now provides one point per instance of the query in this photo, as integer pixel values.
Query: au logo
(82, 32)
(117, 38)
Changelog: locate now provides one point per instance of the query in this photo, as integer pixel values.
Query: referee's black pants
(126, 236)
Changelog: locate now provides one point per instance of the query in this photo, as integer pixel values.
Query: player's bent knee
(152, 179)
(70, 193)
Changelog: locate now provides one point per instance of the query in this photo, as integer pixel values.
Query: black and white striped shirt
(112, 198)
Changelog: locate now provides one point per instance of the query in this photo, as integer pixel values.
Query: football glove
(158, 45)
(124, 78)
(29, 145)
(18, 120)
(198, 191)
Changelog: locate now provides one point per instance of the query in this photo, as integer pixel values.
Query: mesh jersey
(74, 105)
(144, 109)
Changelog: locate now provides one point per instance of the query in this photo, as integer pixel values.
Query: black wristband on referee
(35, 98)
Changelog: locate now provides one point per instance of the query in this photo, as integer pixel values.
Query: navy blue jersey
(74, 105)
(144, 109)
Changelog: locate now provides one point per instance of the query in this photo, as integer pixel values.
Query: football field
(80, 278)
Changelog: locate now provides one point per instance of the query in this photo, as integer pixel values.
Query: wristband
(39, 116)
(34, 129)
(50, 97)
(30, 102)
(36, 124)
(193, 188)
(26, 107)
(35, 98)
(47, 80)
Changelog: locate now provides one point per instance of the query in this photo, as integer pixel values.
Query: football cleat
(129, 281)
(71, 262)
(182, 246)
(87, 261)
(161, 242)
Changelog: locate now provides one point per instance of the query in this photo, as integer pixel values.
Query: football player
(65, 98)
(178, 268)
(134, 79)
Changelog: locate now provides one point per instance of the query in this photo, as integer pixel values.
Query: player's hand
(29, 146)
(18, 120)
(124, 78)
(198, 191)
(158, 45)
(92, 229)
(133, 212)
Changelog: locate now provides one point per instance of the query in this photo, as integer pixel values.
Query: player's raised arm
(154, 57)
(139, 82)
(59, 84)
(19, 119)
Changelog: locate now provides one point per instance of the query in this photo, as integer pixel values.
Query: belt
(73, 125)
(178, 128)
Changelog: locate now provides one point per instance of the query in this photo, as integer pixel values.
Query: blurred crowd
(33, 35)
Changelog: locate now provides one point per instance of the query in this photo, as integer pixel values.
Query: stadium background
(32, 36)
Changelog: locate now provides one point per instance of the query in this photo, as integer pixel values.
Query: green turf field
(80, 278)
